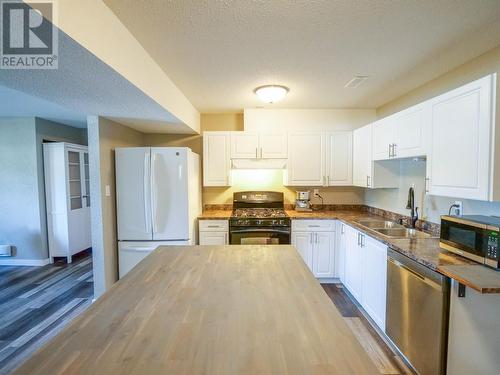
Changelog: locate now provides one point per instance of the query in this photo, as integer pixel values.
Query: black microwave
(472, 236)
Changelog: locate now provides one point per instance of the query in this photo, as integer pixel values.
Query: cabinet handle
(256, 152)
(311, 238)
(261, 152)
(362, 240)
(390, 153)
(427, 179)
(358, 238)
(394, 150)
(213, 226)
(313, 226)
(367, 181)
(226, 239)
(342, 229)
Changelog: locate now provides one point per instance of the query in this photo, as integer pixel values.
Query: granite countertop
(194, 310)
(425, 251)
(215, 215)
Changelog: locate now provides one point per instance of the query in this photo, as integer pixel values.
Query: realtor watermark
(29, 39)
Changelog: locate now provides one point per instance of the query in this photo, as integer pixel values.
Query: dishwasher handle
(426, 280)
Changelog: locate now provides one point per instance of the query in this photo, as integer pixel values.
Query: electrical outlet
(316, 191)
(458, 208)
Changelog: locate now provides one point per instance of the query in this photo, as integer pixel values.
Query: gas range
(259, 218)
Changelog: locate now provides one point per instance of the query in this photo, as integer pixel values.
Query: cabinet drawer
(214, 225)
(313, 225)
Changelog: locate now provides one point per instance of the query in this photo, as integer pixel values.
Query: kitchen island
(209, 309)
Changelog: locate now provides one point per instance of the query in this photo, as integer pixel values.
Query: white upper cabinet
(339, 158)
(366, 172)
(383, 139)
(401, 135)
(216, 159)
(362, 156)
(273, 146)
(410, 133)
(306, 159)
(461, 149)
(246, 145)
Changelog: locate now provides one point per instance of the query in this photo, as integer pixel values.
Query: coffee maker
(302, 203)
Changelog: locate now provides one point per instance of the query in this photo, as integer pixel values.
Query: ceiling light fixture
(271, 93)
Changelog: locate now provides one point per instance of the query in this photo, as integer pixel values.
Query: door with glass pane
(78, 196)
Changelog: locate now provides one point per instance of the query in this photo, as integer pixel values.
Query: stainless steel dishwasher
(417, 313)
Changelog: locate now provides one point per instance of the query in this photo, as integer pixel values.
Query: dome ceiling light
(271, 93)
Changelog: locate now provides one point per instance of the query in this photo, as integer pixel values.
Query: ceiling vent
(356, 81)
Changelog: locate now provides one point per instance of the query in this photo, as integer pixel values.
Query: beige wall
(104, 136)
(432, 206)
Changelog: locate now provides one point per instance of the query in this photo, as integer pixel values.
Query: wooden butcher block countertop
(209, 310)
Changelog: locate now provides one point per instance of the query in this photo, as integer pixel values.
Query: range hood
(258, 163)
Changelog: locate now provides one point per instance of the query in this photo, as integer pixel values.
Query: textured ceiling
(217, 52)
(82, 85)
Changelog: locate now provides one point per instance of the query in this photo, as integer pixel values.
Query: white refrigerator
(158, 200)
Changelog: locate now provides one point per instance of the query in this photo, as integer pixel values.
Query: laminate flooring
(37, 302)
(387, 361)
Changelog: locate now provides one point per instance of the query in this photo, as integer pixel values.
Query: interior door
(133, 193)
(169, 193)
(339, 154)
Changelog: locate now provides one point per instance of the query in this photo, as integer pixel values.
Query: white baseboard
(24, 262)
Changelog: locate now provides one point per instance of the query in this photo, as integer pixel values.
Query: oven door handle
(284, 231)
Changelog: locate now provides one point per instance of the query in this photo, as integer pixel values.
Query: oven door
(259, 236)
(464, 239)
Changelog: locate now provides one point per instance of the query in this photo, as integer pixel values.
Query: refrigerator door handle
(145, 186)
(153, 193)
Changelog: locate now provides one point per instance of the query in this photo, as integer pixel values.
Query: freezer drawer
(131, 253)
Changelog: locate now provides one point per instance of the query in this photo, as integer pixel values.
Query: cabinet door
(374, 279)
(461, 128)
(244, 145)
(409, 133)
(362, 156)
(383, 138)
(216, 159)
(302, 241)
(340, 251)
(306, 159)
(273, 146)
(353, 264)
(339, 158)
(323, 262)
(213, 238)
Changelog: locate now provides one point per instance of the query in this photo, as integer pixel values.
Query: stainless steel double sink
(392, 230)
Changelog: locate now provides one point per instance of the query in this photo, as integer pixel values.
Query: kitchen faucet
(411, 206)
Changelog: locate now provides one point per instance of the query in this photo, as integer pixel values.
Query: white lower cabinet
(214, 232)
(315, 242)
(365, 271)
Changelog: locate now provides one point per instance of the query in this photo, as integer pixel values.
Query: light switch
(108, 190)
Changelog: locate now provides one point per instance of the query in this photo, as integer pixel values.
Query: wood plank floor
(37, 302)
(380, 353)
